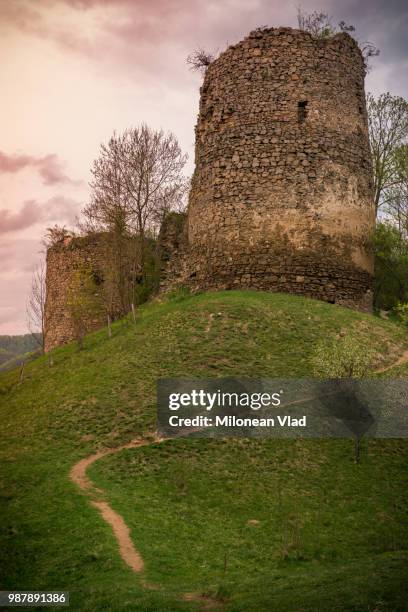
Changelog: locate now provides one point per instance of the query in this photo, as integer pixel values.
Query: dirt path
(121, 531)
(129, 553)
(400, 361)
(122, 534)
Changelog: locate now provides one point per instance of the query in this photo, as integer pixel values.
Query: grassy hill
(259, 525)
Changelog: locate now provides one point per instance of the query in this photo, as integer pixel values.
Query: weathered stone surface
(281, 196)
(63, 260)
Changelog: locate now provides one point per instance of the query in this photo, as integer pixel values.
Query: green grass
(329, 533)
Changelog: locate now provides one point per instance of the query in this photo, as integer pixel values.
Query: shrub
(343, 357)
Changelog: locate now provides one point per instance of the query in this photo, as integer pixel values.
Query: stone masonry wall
(172, 248)
(63, 259)
(282, 195)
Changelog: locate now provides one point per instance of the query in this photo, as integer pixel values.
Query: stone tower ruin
(64, 259)
(281, 196)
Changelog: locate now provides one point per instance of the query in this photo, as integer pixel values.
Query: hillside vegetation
(15, 349)
(258, 525)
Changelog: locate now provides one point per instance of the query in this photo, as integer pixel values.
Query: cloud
(19, 257)
(50, 168)
(131, 37)
(30, 214)
(59, 209)
(135, 37)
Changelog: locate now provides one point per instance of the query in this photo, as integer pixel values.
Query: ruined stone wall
(63, 260)
(281, 196)
(173, 249)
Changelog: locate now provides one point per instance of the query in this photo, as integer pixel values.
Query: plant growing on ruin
(199, 59)
(56, 235)
(320, 25)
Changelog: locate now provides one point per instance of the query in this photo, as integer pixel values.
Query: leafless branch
(35, 308)
(199, 60)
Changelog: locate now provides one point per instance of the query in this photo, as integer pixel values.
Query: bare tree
(35, 307)
(173, 199)
(199, 60)
(152, 163)
(137, 174)
(136, 178)
(388, 130)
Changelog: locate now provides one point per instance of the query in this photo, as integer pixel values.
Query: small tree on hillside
(402, 312)
(83, 302)
(344, 358)
(35, 308)
(391, 266)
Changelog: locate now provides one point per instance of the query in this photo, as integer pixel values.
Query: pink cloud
(20, 15)
(61, 209)
(30, 214)
(58, 209)
(49, 167)
(18, 255)
(130, 32)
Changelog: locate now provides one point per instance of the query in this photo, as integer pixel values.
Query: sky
(73, 71)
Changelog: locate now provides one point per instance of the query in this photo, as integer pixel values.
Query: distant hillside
(14, 349)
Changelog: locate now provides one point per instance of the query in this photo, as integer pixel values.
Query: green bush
(343, 357)
(402, 313)
(391, 267)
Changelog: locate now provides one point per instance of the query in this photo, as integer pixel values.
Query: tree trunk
(356, 450)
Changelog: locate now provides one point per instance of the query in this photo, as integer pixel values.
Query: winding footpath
(130, 555)
(121, 531)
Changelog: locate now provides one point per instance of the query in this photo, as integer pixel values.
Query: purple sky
(72, 71)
